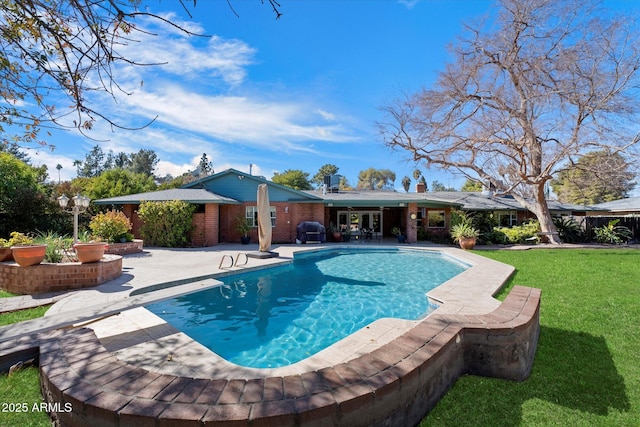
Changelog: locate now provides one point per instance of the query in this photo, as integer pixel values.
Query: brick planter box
(125, 248)
(47, 277)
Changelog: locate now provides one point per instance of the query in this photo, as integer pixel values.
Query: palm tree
(406, 183)
(58, 166)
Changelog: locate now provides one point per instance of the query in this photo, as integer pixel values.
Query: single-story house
(223, 197)
(507, 210)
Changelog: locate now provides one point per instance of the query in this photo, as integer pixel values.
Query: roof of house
(190, 195)
(483, 201)
(360, 198)
(228, 187)
(241, 186)
(631, 204)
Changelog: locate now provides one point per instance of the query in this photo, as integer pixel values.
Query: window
(252, 215)
(507, 218)
(435, 219)
(420, 218)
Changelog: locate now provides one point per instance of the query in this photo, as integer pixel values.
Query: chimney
(420, 187)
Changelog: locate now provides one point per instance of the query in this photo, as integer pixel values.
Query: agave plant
(464, 230)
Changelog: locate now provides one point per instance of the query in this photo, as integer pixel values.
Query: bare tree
(527, 92)
(66, 49)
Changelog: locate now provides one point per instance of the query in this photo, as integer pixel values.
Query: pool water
(281, 315)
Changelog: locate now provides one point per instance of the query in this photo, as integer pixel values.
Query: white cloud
(235, 119)
(51, 160)
(218, 59)
(325, 114)
(409, 3)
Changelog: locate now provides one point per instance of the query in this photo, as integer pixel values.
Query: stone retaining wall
(395, 385)
(46, 277)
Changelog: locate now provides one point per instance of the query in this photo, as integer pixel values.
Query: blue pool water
(281, 315)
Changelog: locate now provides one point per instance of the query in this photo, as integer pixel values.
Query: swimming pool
(281, 315)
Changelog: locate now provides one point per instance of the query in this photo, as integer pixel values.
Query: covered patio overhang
(381, 211)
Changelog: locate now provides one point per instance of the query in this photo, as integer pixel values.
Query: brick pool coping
(396, 384)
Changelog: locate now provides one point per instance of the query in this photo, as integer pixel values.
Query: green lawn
(22, 315)
(587, 366)
(20, 391)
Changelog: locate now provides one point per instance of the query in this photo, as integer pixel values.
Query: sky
(294, 93)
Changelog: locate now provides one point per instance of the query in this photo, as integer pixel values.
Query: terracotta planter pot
(6, 254)
(89, 252)
(467, 243)
(29, 255)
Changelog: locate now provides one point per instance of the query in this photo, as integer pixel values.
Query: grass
(19, 316)
(586, 370)
(21, 390)
(5, 294)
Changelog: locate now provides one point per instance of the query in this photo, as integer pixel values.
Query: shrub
(519, 233)
(167, 224)
(110, 226)
(17, 239)
(438, 235)
(422, 234)
(568, 230)
(613, 233)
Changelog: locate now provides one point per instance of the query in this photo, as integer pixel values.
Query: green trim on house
(243, 187)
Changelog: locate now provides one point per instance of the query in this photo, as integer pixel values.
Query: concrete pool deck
(139, 345)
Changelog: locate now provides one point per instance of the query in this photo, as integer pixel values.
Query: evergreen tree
(596, 177)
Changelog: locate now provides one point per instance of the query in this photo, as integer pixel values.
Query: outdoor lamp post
(80, 205)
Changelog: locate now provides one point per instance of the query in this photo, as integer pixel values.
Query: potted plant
(242, 226)
(25, 253)
(5, 250)
(89, 251)
(398, 233)
(334, 232)
(465, 234)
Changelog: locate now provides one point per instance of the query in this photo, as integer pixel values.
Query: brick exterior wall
(216, 223)
(288, 216)
(136, 223)
(199, 229)
(212, 232)
(46, 277)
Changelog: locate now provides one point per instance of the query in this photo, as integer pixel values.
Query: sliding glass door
(359, 220)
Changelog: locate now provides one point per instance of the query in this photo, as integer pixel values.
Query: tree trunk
(541, 209)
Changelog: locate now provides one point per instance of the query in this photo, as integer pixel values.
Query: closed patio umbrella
(264, 218)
